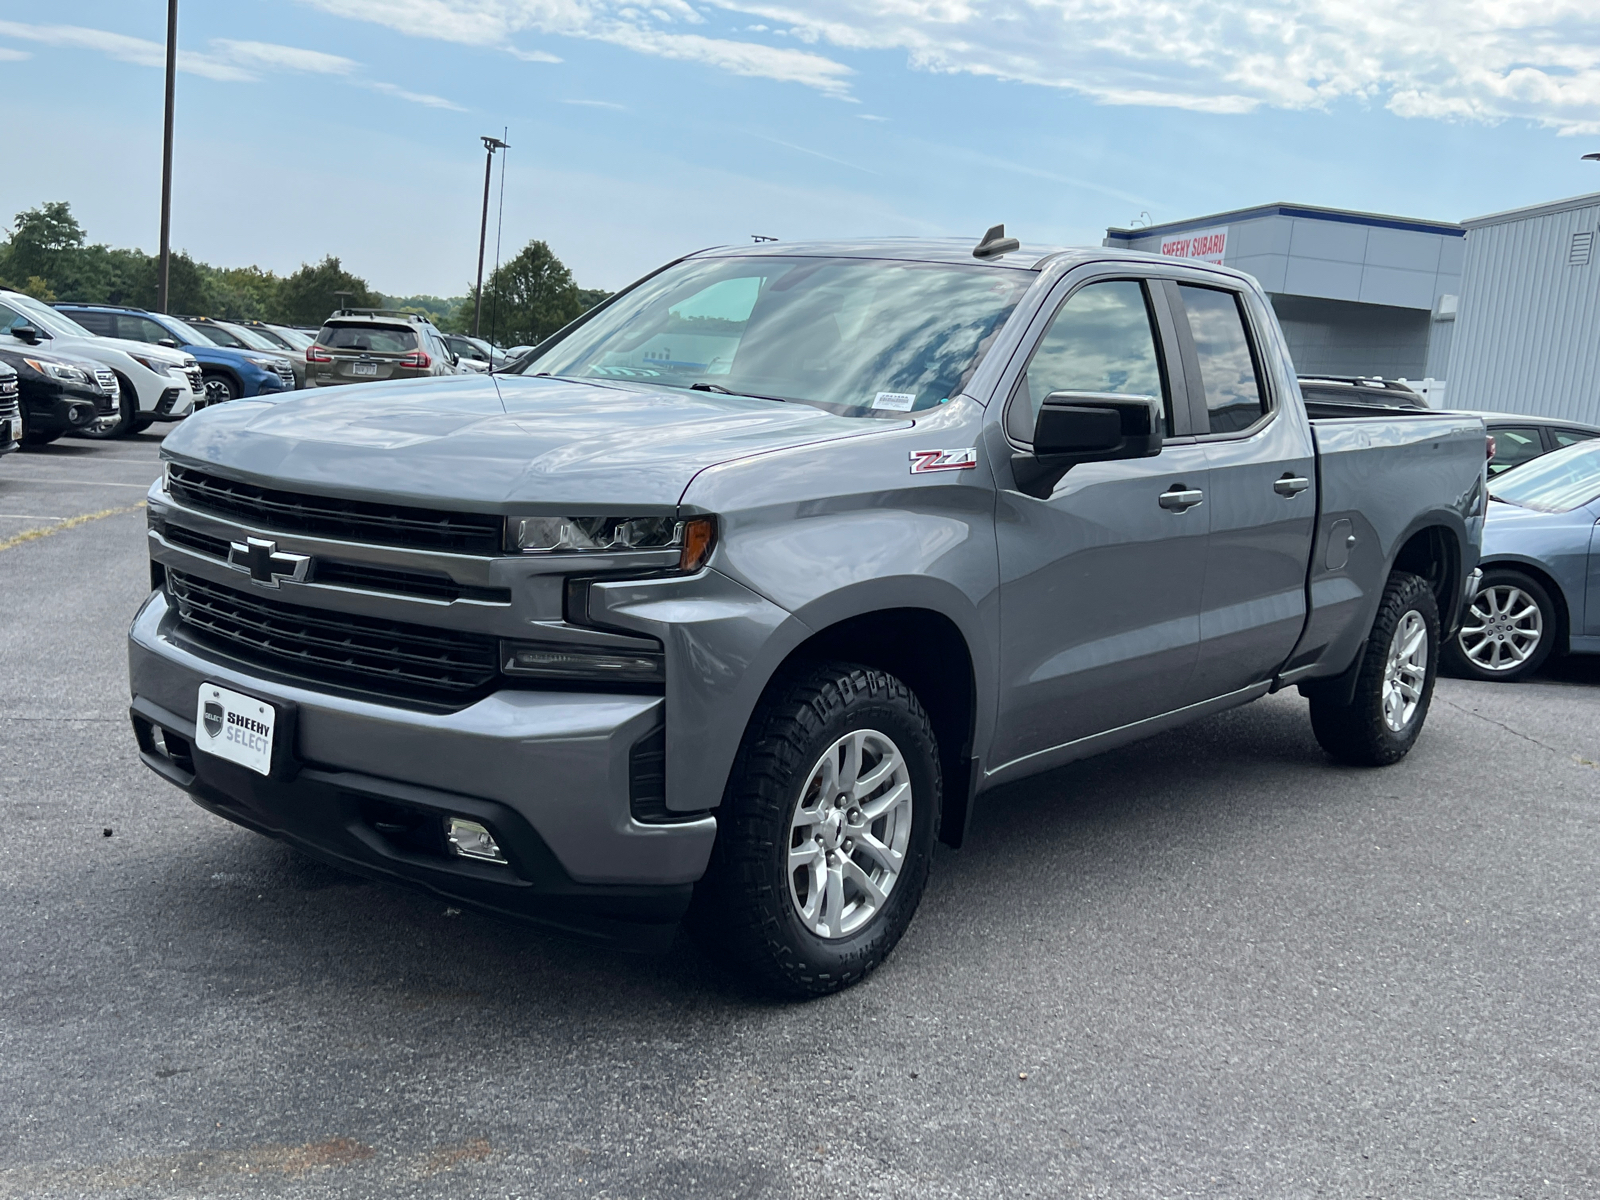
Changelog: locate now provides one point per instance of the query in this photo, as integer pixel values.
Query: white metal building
(1527, 336)
(1357, 293)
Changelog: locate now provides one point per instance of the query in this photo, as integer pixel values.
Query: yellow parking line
(30, 535)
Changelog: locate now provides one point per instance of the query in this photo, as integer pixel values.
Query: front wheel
(1507, 632)
(119, 423)
(220, 389)
(825, 833)
(1394, 683)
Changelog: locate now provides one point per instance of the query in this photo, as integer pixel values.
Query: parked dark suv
(360, 345)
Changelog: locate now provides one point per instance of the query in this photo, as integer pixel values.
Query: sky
(642, 131)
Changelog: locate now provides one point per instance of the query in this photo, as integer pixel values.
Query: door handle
(1179, 499)
(1291, 485)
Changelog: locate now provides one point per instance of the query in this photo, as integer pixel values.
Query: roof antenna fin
(995, 243)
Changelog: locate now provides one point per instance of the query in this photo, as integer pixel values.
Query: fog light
(471, 840)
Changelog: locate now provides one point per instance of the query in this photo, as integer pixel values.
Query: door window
(1235, 399)
(104, 324)
(1569, 437)
(1101, 340)
(10, 318)
(1514, 445)
(140, 329)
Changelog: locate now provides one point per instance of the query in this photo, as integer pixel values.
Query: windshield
(251, 339)
(293, 337)
(1557, 482)
(381, 339)
(852, 336)
(47, 318)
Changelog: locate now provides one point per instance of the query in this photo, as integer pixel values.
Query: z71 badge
(923, 461)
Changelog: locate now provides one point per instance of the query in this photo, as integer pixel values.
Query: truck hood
(495, 442)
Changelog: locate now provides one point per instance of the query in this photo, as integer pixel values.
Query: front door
(1101, 579)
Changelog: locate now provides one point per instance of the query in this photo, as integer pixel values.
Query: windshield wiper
(722, 391)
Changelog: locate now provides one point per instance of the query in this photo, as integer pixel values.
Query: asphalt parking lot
(1210, 965)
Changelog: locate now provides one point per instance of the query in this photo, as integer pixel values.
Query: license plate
(237, 728)
(363, 368)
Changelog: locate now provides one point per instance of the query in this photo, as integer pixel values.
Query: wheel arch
(927, 651)
(1433, 552)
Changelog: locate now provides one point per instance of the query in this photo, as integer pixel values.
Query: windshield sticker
(924, 461)
(895, 401)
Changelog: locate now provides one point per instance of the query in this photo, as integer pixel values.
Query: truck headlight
(692, 537)
(561, 660)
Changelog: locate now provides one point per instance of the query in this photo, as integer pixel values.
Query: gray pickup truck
(731, 598)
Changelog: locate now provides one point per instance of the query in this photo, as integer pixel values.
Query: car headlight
(559, 660)
(153, 364)
(692, 537)
(57, 370)
(266, 364)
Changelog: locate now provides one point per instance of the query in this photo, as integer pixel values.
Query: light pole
(490, 144)
(165, 270)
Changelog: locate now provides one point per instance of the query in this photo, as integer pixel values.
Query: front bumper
(547, 772)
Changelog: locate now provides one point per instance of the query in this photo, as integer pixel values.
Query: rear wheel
(1508, 631)
(119, 424)
(1394, 684)
(826, 832)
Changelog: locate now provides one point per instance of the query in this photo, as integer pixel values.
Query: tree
(43, 243)
(527, 299)
(308, 296)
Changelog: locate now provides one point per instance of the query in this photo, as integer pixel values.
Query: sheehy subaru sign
(1205, 244)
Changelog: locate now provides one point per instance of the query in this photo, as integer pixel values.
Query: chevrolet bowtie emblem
(265, 563)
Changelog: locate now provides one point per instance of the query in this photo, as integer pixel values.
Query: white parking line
(28, 517)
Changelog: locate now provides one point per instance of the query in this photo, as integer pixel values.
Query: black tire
(221, 388)
(1360, 732)
(127, 414)
(1491, 630)
(745, 908)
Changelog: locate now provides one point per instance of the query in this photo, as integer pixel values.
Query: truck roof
(1031, 256)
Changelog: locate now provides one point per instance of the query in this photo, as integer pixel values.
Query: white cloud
(229, 61)
(400, 93)
(284, 58)
(654, 30)
(9, 55)
(538, 56)
(597, 104)
(1481, 60)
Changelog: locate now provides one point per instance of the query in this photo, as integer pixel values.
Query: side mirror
(169, 343)
(1080, 427)
(32, 334)
(455, 359)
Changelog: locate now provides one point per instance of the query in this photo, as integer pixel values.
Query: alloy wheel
(848, 834)
(1504, 626)
(1406, 671)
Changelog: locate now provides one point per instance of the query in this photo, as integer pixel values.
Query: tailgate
(1380, 480)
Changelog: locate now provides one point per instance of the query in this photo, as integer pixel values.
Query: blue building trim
(1288, 210)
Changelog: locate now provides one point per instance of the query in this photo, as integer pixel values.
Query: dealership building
(1356, 293)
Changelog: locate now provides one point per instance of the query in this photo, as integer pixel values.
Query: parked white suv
(158, 384)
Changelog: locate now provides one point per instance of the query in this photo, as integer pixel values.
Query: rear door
(1101, 578)
(1262, 492)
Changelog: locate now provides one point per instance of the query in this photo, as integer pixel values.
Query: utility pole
(490, 144)
(166, 160)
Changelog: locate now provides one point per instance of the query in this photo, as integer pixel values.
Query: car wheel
(825, 833)
(220, 389)
(1394, 683)
(1508, 631)
(122, 423)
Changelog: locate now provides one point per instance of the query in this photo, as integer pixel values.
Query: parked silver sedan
(1540, 593)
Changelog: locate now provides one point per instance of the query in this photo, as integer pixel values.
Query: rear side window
(1570, 437)
(1514, 445)
(1101, 340)
(381, 339)
(140, 329)
(1235, 399)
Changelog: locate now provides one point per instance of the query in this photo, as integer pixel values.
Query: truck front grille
(393, 658)
(330, 517)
